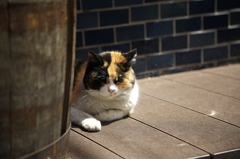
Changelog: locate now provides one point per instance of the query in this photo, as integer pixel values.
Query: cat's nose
(111, 90)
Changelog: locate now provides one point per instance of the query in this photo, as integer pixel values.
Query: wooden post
(34, 61)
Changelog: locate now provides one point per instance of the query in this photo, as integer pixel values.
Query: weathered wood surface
(33, 59)
(70, 60)
(5, 136)
(187, 115)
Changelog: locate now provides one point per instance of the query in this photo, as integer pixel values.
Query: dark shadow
(105, 123)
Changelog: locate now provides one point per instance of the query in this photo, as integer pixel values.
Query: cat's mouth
(112, 95)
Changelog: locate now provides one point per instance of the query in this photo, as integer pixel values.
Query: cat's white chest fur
(90, 106)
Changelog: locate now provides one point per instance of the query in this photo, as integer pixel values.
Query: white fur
(91, 124)
(93, 105)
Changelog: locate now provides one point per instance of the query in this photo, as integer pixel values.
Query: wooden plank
(132, 139)
(208, 103)
(197, 129)
(83, 148)
(211, 82)
(232, 71)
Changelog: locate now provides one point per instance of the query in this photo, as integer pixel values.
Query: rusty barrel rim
(60, 144)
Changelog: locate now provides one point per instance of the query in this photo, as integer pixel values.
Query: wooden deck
(187, 115)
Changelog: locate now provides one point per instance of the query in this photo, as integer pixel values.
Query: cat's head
(109, 74)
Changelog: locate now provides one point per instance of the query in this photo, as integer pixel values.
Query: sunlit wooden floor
(194, 114)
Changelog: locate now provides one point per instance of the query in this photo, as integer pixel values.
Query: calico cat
(105, 89)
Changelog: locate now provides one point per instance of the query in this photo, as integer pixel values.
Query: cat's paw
(91, 124)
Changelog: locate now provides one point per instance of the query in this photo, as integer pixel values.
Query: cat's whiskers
(127, 93)
(86, 94)
(83, 96)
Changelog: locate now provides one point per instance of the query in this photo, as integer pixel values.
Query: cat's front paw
(91, 124)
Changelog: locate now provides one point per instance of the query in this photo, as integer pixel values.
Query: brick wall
(171, 36)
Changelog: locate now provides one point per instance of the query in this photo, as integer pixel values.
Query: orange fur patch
(79, 79)
(127, 82)
(117, 57)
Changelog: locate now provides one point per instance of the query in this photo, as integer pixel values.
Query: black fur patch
(96, 75)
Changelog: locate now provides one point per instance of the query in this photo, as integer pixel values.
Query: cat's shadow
(104, 123)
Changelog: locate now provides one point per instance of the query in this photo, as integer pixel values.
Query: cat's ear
(130, 55)
(94, 59)
(130, 59)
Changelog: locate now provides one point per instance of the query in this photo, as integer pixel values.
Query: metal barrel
(36, 58)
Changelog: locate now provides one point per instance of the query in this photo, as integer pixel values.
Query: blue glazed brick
(78, 4)
(235, 18)
(160, 28)
(113, 17)
(130, 32)
(172, 43)
(102, 36)
(119, 47)
(173, 9)
(189, 24)
(225, 35)
(146, 46)
(203, 39)
(202, 66)
(173, 70)
(127, 2)
(216, 53)
(96, 4)
(144, 13)
(201, 6)
(215, 21)
(235, 50)
(160, 61)
(140, 65)
(79, 39)
(83, 53)
(188, 57)
(147, 1)
(87, 20)
(227, 4)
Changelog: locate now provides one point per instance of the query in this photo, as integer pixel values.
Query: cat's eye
(101, 78)
(118, 79)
